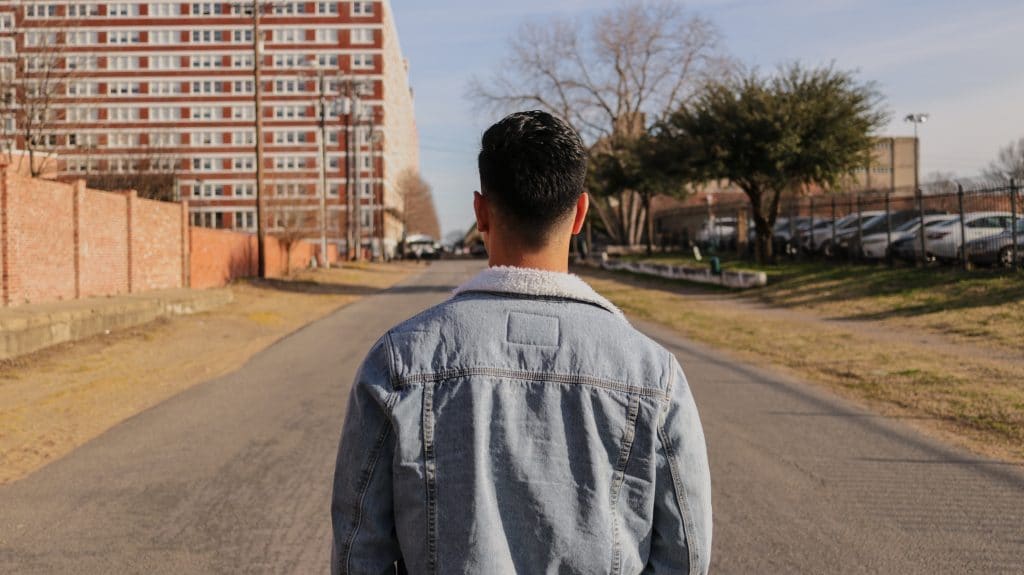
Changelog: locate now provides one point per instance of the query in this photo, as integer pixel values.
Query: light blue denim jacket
(523, 426)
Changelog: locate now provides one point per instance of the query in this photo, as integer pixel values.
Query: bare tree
(611, 78)
(1009, 164)
(291, 226)
(153, 174)
(937, 183)
(41, 79)
(417, 211)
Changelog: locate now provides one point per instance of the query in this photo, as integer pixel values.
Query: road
(233, 476)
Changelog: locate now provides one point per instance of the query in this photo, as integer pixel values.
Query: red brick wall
(156, 257)
(40, 250)
(102, 245)
(59, 242)
(219, 256)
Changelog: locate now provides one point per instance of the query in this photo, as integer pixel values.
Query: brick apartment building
(169, 86)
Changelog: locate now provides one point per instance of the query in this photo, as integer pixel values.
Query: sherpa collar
(532, 282)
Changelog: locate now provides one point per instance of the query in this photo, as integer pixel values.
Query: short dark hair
(533, 168)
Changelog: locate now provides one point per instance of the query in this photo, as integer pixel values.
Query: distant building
(893, 168)
(168, 85)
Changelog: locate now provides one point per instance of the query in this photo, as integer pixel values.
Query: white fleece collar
(532, 282)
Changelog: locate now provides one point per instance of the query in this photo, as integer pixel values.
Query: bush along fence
(968, 226)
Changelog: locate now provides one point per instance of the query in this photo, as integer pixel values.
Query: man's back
(522, 426)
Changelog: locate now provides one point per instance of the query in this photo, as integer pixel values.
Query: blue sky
(959, 61)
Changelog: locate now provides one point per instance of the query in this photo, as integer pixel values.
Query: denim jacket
(522, 426)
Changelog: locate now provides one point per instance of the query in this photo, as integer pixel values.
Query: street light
(916, 119)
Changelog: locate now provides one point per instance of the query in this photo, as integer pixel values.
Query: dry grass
(56, 400)
(974, 395)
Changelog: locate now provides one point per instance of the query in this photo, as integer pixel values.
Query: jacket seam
(430, 477)
(392, 361)
(682, 501)
(435, 377)
(620, 477)
(364, 486)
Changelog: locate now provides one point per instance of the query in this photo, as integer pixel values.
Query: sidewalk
(29, 328)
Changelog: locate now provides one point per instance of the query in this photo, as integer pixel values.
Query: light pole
(257, 48)
(323, 159)
(916, 119)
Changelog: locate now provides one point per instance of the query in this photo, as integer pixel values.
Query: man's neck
(554, 260)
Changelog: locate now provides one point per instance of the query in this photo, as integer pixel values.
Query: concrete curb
(26, 329)
(729, 279)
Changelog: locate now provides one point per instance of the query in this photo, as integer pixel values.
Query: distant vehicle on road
(421, 247)
(944, 240)
(720, 232)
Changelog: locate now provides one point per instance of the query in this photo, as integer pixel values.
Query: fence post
(888, 229)
(811, 230)
(963, 228)
(920, 214)
(1013, 210)
(833, 225)
(860, 229)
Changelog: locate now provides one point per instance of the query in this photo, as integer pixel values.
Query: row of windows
(213, 113)
(170, 9)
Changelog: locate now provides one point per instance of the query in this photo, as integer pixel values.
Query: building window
(83, 88)
(367, 191)
(245, 163)
(122, 63)
(327, 36)
(6, 22)
(326, 7)
(122, 10)
(124, 37)
(207, 8)
(362, 36)
(164, 88)
(164, 9)
(123, 88)
(244, 190)
(362, 8)
(243, 36)
(362, 61)
(207, 87)
(242, 61)
(366, 217)
(245, 220)
(165, 139)
(40, 10)
(164, 37)
(243, 112)
(208, 61)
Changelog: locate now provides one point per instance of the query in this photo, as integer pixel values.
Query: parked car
(823, 233)
(876, 245)
(848, 230)
(720, 232)
(786, 233)
(944, 240)
(997, 249)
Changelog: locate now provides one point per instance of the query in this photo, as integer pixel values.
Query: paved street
(234, 475)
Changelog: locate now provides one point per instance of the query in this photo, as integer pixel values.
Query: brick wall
(39, 260)
(219, 256)
(61, 241)
(156, 257)
(102, 249)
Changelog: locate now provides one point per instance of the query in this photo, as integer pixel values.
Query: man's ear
(582, 205)
(483, 213)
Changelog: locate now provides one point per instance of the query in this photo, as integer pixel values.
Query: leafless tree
(153, 174)
(611, 77)
(291, 226)
(937, 183)
(416, 208)
(40, 81)
(1009, 164)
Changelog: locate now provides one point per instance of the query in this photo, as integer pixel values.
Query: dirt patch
(60, 398)
(970, 394)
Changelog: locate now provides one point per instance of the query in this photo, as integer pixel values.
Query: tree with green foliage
(641, 166)
(775, 134)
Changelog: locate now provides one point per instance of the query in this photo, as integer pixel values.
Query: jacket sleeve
(681, 538)
(362, 509)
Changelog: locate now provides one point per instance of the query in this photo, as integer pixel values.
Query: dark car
(998, 249)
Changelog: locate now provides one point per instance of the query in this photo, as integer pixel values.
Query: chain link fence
(972, 225)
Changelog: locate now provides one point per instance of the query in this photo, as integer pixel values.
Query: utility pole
(257, 48)
(323, 168)
(916, 119)
(357, 211)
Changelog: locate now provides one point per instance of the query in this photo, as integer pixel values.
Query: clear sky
(959, 61)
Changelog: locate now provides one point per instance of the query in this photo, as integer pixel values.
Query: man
(522, 426)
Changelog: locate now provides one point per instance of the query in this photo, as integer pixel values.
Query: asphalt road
(233, 476)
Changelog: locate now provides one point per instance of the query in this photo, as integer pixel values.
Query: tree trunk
(648, 223)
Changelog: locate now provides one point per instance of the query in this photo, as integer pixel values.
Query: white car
(876, 246)
(944, 240)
